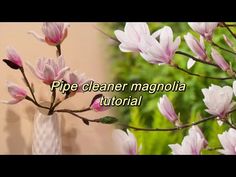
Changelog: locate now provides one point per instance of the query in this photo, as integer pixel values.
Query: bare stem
(213, 148)
(33, 100)
(196, 59)
(74, 111)
(52, 102)
(222, 48)
(229, 124)
(83, 118)
(170, 129)
(213, 117)
(28, 84)
(198, 75)
(229, 25)
(51, 110)
(107, 35)
(228, 28)
(58, 49)
(35, 103)
(180, 127)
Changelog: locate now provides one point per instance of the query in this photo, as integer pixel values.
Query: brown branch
(33, 100)
(170, 129)
(35, 103)
(180, 127)
(107, 35)
(83, 118)
(198, 75)
(214, 148)
(229, 124)
(227, 27)
(53, 98)
(74, 111)
(196, 59)
(222, 48)
(58, 49)
(28, 84)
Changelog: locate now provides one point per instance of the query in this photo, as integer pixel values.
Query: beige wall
(84, 50)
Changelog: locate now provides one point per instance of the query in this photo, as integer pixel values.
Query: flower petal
(37, 74)
(38, 37)
(61, 73)
(190, 63)
(49, 75)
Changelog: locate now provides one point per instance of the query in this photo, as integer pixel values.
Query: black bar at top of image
(117, 11)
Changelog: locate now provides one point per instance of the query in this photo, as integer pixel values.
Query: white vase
(46, 133)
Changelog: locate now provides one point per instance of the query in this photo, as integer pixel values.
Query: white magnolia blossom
(228, 141)
(130, 38)
(159, 51)
(125, 142)
(218, 100)
(192, 144)
(205, 29)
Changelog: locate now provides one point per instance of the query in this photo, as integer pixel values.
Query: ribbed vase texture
(46, 134)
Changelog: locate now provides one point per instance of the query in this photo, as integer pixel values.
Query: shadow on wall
(15, 140)
(30, 117)
(69, 144)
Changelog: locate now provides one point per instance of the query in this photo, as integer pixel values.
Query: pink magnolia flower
(54, 33)
(218, 100)
(220, 61)
(14, 57)
(166, 108)
(74, 78)
(228, 42)
(192, 144)
(162, 51)
(196, 129)
(234, 88)
(197, 47)
(205, 29)
(131, 36)
(16, 92)
(48, 70)
(126, 142)
(228, 141)
(96, 105)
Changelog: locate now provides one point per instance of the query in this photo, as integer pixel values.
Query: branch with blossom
(48, 70)
(158, 48)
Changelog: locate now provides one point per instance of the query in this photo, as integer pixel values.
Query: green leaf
(108, 120)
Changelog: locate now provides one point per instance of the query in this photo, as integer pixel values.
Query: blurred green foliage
(132, 68)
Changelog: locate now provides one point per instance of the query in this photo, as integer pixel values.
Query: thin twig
(58, 49)
(75, 111)
(229, 124)
(196, 59)
(169, 129)
(180, 127)
(37, 104)
(83, 118)
(52, 102)
(213, 148)
(28, 84)
(107, 35)
(198, 75)
(222, 48)
(227, 27)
